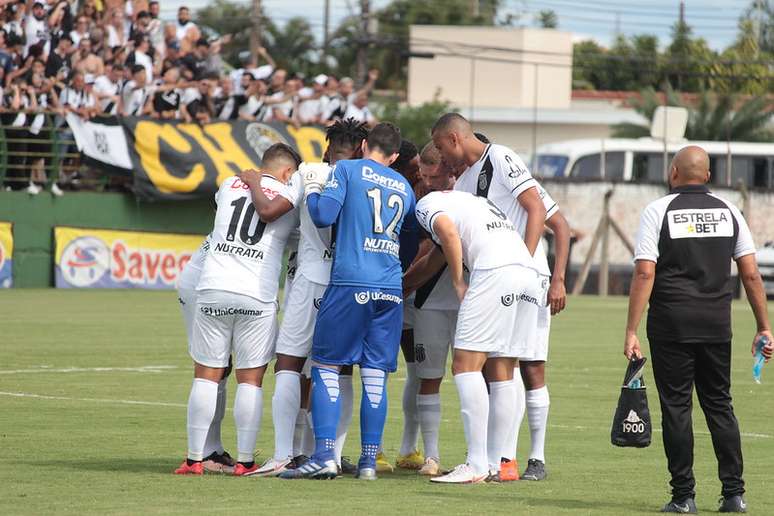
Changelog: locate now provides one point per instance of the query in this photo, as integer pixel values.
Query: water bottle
(759, 359)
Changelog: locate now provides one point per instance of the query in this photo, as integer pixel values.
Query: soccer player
(435, 319)
(498, 311)
(497, 173)
(360, 317)
(294, 342)
(216, 459)
(236, 308)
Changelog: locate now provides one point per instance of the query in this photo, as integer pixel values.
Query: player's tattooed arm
(557, 292)
(268, 210)
(536, 216)
(451, 244)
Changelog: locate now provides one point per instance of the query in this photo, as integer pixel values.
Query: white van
(642, 160)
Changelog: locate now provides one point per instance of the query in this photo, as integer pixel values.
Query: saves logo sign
(6, 255)
(94, 258)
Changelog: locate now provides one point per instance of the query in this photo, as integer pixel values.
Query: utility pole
(365, 39)
(475, 8)
(326, 28)
(255, 30)
(682, 12)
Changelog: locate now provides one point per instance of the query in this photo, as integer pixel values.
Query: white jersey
(489, 239)
(501, 176)
(189, 277)
(245, 255)
(314, 247)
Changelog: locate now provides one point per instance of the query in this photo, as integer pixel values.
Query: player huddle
(372, 271)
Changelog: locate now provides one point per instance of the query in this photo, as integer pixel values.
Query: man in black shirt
(195, 63)
(60, 58)
(685, 245)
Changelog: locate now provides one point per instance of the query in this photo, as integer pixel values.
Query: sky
(714, 20)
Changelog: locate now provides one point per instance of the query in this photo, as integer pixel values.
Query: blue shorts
(359, 325)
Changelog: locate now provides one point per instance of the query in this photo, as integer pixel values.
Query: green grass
(80, 450)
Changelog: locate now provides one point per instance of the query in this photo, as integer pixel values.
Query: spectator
(277, 81)
(311, 107)
(78, 96)
(154, 9)
(86, 61)
(225, 102)
(60, 58)
(140, 26)
(195, 63)
(89, 10)
(256, 107)
(186, 31)
(136, 93)
(197, 104)
(117, 35)
(107, 89)
(358, 109)
(285, 103)
(81, 31)
(140, 56)
(167, 97)
(36, 28)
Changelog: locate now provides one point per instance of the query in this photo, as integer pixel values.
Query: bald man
(685, 245)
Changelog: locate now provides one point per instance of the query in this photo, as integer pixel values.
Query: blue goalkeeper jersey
(377, 212)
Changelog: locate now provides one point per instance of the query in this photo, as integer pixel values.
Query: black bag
(631, 423)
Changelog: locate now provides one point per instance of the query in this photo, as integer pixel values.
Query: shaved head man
(685, 246)
(689, 166)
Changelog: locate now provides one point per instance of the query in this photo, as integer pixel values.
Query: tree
(688, 60)
(742, 67)
(716, 117)
(548, 19)
(765, 17)
(414, 122)
(226, 17)
(293, 46)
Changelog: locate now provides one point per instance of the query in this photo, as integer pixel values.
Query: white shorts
(301, 305)
(226, 322)
(409, 313)
(536, 349)
(498, 315)
(433, 337)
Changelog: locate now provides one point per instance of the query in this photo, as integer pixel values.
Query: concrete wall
(582, 205)
(35, 216)
(523, 137)
(491, 66)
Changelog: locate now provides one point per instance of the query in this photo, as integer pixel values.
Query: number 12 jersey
(245, 255)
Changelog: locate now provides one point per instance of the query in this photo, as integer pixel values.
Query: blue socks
(373, 412)
(325, 412)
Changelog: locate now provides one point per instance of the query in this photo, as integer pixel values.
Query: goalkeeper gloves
(314, 175)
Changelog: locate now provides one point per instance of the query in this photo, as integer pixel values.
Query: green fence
(34, 216)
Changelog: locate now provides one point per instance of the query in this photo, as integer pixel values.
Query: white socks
(474, 404)
(299, 432)
(213, 444)
(537, 413)
(512, 443)
(346, 396)
(248, 406)
(502, 402)
(201, 409)
(429, 408)
(410, 416)
(285, 405)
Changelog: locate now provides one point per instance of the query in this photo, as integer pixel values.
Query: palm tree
(713, 118)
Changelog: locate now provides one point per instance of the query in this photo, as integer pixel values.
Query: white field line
(182, 405)
(44, 369)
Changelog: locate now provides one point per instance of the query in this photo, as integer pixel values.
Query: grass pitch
(93, 386)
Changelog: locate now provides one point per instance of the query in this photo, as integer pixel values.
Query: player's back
(376, 201)
(314, 254)
(245, 255)
(489, 239)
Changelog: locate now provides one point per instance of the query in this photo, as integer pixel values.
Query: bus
(641, 160)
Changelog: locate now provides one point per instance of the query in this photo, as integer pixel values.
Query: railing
(21, 153)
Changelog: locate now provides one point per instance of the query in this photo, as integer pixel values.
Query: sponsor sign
(701, 223)
(98, 258)
(6, 255)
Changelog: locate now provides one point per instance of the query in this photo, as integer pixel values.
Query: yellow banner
(99, 258)
(6, 255)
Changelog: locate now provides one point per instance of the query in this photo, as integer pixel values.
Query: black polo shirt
(692, 235)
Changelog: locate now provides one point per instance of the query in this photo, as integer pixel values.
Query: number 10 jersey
(245, 255)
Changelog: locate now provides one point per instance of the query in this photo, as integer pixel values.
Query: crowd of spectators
(117, 57)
